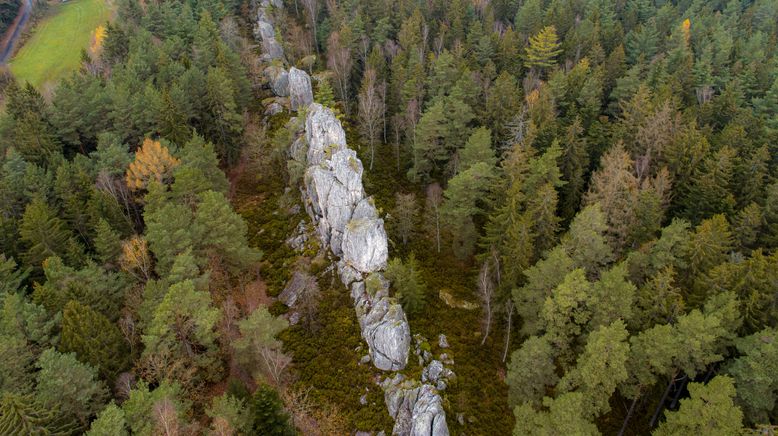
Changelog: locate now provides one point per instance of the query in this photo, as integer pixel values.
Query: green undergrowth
(479, 392)
(326, 360)
(325, 356)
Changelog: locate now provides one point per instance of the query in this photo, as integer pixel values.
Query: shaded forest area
(581, 194)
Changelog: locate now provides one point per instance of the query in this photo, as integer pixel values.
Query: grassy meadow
(54, 48)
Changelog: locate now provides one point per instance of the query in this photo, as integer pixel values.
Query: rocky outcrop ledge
(349, 225)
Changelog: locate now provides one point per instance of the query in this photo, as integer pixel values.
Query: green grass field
(54, 48)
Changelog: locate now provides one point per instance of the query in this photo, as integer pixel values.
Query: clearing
(54, 48)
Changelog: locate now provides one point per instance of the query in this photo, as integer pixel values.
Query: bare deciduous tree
(434, 200)
(371, 110)
(486, 294)
(275, 362)
(166, 418)
(509, 308)
(312, 10)
(339, 61)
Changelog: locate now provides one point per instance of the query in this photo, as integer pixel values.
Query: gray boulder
(267, 35)
(429, 418)
(273, 109)
(387, 334)
(278, 78)
(296, 287)
(348, 275)
(365, 246)
(416, 409)
(323, 132)
(300, 91)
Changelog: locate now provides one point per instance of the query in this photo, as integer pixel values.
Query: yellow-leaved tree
(152, 161)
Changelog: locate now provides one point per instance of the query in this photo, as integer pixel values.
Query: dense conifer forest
(579, 197)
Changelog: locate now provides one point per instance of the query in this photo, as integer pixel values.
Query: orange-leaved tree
(152, 161)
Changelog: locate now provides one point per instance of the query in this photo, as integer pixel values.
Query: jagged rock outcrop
(348, 223)
(417, 409)
(365, 245)
(300, 90)
(323, 133)
(278, 78)
(265, 31)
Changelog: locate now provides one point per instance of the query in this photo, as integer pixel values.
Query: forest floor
(476, 402)
(326, 354)
(54, 48)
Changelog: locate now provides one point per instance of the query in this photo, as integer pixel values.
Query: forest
(580, 201)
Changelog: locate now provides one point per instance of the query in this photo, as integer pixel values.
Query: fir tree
(94, 339)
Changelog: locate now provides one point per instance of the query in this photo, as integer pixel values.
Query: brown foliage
(152, 161)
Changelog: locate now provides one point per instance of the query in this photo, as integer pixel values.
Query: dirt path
(15, 31)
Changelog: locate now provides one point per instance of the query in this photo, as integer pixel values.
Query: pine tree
(574, 165)
(92, 286)
(567, 311)
(72, 386)
(22, 415)
(756, 374)
(11, 277)
(710, 188)
(43, 233)
(477, 149)
(531, 371)
(183, 328)
(110, 422)
(94, 339)
(543, 49)
(258, 348)
(269, 417)
(219, 231)
(565, 415)
(600, 368)
(710, 410)
(428, 146)
(408, 284)
(108, 243)
(223, 120)
(169, 231)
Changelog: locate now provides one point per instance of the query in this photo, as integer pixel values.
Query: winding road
(9, 41)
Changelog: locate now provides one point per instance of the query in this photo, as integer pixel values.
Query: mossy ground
(325, 357)
(479, 391)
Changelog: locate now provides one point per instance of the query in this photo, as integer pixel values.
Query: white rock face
(348, 223)
(386, 330)
(428, 415)
(323, 132)
(279, 80)
(365, 245)
(300, 91)
(417, 409)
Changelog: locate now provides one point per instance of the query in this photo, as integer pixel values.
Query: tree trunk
(629, 415)
(437, 228)
(488, 319)
(661, 404)
(508, 330)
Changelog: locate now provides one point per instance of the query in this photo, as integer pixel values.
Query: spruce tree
(43, 233)
(94, 339)
(543, 49)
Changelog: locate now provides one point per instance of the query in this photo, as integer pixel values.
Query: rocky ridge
(348, 224)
